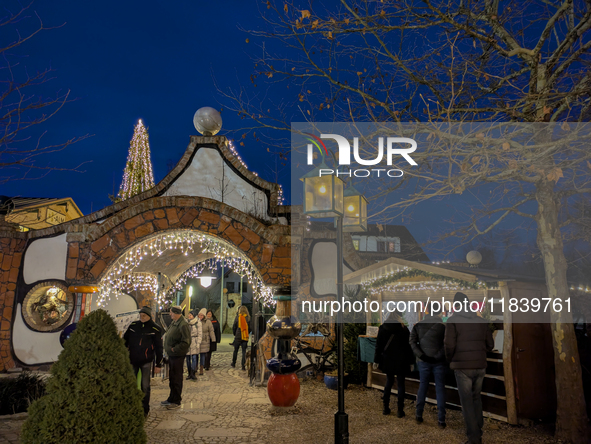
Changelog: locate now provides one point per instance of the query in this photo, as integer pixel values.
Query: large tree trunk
(571, 415)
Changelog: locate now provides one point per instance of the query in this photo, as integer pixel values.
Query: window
(244, 287)
(356, 244)
(381, 247)
(394, 246)
(230, 287)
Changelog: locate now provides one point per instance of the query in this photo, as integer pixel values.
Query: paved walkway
(219, 407)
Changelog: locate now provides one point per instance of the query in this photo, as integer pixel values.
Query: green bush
(16, 394)
(356, 369)
(92, 395)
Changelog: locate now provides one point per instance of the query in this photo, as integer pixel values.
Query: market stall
(523, 344)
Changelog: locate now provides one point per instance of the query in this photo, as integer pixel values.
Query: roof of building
(409, 247)
(26, 202)
(470, 274)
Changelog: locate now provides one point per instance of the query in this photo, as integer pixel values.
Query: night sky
(123, 61)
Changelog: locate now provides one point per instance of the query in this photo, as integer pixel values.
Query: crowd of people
(460, 344)
(191, 340)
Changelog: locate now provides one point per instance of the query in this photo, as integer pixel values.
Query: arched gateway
(210, 206)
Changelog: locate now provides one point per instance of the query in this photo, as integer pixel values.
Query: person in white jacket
(196, 335)
(207, 336)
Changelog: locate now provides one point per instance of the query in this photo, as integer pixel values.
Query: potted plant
(331, 379)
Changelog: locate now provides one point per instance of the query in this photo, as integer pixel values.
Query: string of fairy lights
(192, 273)
(139, 282)
(436, 282)
(581, 288)
(235, 152)
(121, 277)
(138, 175)
(280, 195)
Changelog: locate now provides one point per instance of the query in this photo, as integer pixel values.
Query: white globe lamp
(473, 258)
(207, 121)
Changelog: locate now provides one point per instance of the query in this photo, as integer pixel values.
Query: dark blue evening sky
(159, 62)
(128, 60)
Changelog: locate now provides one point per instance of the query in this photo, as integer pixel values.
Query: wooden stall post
(369, 364)
(508, 356)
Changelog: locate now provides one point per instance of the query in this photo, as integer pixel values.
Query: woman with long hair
(394, 357)
(193, 354)
(207, 335)
(215, 340)
(241, 330)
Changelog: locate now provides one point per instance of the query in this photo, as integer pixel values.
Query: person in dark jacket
(214, 341)
(143, 339)
(426, 341)
(393, 356)
(176, 345)
(467, 340)
(241, 330)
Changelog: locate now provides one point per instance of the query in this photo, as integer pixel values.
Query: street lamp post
(324, 197)
(341, 419)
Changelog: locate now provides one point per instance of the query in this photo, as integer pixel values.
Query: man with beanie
(176, 344)
(467, 340)
(143, 339)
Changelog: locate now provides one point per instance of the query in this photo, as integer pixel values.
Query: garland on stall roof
(413, 272)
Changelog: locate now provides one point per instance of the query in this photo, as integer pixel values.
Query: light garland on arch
(141, 282)
(238, 265)
(119, 277)
(192, 273)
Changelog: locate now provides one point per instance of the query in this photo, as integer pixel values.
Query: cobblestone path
(219, 407)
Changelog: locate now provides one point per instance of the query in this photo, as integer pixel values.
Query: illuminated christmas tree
(137, 176)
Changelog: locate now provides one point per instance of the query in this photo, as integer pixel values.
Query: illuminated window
(356, 244)
(394, 246)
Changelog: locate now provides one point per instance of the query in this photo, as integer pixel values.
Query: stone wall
(91, 251)
(11, 253)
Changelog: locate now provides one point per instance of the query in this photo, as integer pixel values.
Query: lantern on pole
(355, 214)
(323, 194)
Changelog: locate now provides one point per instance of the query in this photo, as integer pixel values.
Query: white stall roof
(395, 265)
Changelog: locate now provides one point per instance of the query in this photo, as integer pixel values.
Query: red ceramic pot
(283, 390)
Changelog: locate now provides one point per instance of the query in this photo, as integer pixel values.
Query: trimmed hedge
(17, 394)
(356, 369)
(92, 395)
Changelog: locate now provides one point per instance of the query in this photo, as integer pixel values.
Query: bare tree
(22, 109)
(444, 62)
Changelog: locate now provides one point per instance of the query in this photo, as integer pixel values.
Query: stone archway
(77, 253)
(267, 247)
(176, 255)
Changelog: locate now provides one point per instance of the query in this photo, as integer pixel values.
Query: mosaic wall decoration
(48, 306)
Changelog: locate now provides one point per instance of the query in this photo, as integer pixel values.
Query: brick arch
(93, 248)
